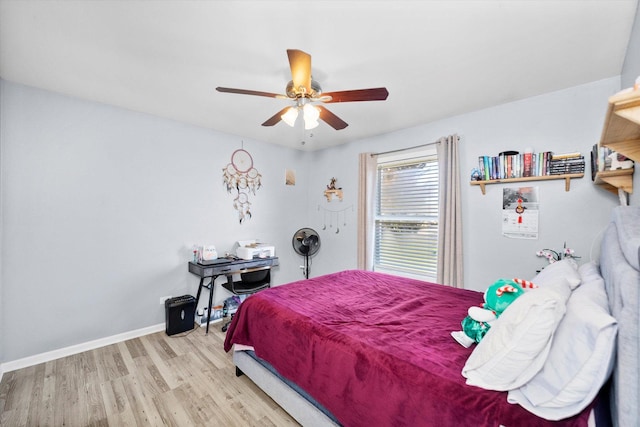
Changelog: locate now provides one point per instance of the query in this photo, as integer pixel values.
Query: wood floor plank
(136, 348)
(96, 412)
(13, 417)
(155, 380)
(45, 417)
(21, 389)
(223, 414)
(175, 409)
(7, 390)
(161, 346)
(122, 419)
(114, 397)
(36, 400)
(65, 392)
(171, 372)
(144, 411)
(126, 360)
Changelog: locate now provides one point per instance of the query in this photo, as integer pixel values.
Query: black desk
(224, 267)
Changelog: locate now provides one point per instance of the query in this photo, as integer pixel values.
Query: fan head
(300, 92)
(303, 90)
(306, 241)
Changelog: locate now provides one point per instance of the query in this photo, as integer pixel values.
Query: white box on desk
(250, 249)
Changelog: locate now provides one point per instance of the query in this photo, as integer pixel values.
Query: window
(406, 216)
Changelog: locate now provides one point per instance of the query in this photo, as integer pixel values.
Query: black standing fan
(306, 242)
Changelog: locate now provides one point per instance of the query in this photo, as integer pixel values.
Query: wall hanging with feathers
(241, 177)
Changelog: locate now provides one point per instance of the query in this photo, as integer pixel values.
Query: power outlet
(163, 299)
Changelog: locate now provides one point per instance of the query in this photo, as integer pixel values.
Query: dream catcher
(240, 176)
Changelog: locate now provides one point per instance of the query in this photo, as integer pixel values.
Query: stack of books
(567, 163)
(515, 165)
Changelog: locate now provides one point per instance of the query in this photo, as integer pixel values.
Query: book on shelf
(506, 166)
(564, 160)
(562, 170)
(565, 155)
(526, 164)
(555, 166)
(605, 159)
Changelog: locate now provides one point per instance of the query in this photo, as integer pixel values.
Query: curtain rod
(404, 149)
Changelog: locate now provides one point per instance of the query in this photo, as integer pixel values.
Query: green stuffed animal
(497, 298)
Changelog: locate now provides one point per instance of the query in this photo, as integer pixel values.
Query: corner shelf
(613, 180)
(621, 133)
(567, 180)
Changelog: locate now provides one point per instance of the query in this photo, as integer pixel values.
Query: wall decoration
(289, 177)
(520, 212)
(332, 190)
(555, 256)
(334, 217)
(240, 176)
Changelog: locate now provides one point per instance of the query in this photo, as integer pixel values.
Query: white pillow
(552, 275)
(517, 344)
(581, 356)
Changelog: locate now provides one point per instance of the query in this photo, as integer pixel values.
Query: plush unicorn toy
(497, 298)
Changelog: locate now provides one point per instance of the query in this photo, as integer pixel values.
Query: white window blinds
(406, 223)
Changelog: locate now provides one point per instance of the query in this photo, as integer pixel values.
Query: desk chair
(251, 281)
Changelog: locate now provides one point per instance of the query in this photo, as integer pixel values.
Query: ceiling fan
(304, 91)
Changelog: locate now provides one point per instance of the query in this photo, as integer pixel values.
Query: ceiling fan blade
(331, 119)
(275, 118)
(375, 94)
(250, 92)
(300, 64)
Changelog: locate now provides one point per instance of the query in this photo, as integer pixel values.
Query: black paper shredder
(179, 314)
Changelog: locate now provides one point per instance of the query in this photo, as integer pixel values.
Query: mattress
(375, 349)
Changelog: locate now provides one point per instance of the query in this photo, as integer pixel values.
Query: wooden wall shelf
(329, 193)
(617, 179)
(621, 133)
(567, 180)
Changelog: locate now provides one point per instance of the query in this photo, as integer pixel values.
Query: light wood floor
(156, 380)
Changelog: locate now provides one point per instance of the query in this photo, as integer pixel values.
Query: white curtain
(367, 171)
(450, 224)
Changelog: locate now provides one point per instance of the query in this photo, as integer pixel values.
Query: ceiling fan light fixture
(311, 116)
(290, 116)
(311, 113)
(311, 124)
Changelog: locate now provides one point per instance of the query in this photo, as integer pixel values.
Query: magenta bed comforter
(375, 350)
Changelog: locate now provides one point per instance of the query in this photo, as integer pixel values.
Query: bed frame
(296, 402)
(619, 259)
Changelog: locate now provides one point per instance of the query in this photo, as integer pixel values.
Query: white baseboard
(78, 348)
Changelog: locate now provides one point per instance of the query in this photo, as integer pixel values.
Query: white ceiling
(436, 58)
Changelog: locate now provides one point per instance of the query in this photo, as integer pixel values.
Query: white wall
(101, 207)
(631, 67)
(566, 120)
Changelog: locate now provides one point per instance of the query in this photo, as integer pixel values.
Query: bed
(363, 348)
